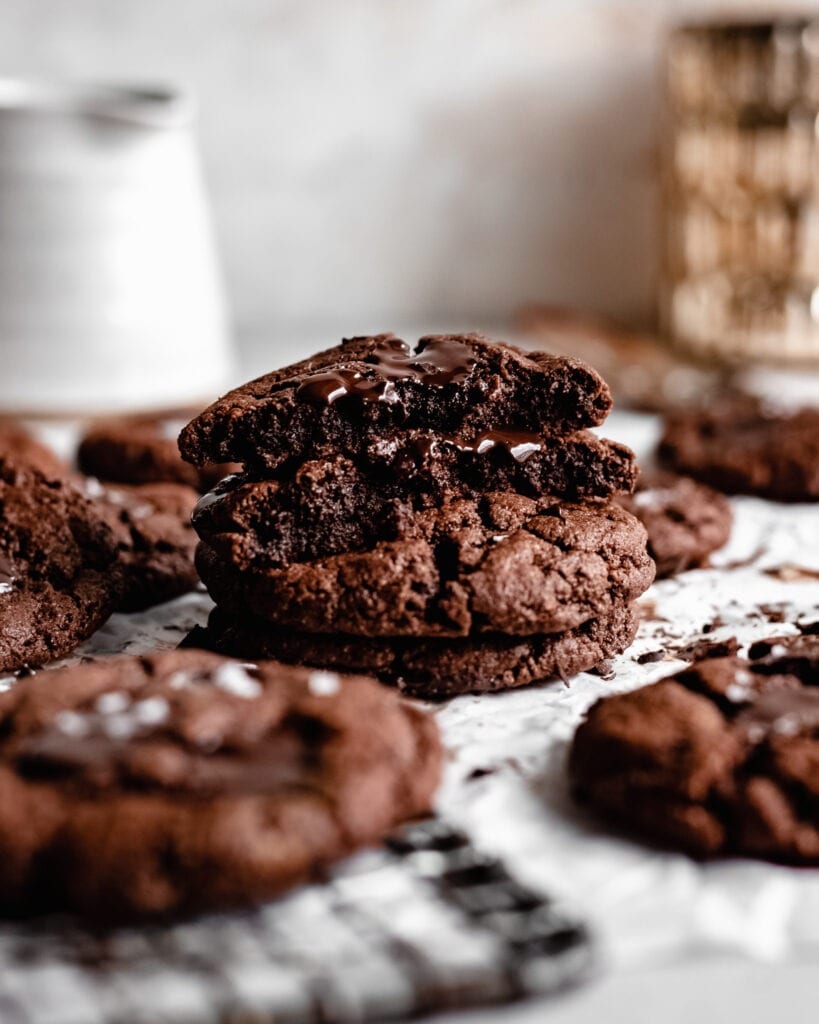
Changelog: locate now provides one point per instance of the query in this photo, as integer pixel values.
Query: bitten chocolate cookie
(183, 781)
(338, 400)
(502, 563)
(143, 450)
(430, 668)
(331, 506)
(59, 579)
(19, 446)
(155, 540)
(742, 447)
(720, 759)
(685, 520)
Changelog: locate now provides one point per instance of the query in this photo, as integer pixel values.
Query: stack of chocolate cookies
(438, 516)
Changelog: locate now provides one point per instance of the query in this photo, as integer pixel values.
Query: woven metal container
(740, 262)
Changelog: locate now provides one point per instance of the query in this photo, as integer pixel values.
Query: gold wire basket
(740, 261)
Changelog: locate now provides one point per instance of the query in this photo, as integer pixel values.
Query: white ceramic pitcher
(110, 294)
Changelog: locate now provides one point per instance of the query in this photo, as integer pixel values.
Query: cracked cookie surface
(501, 563)
(184, 781)
(338, 400)
(720, 759)
(685, 520)
(59, 579)
(154, 537)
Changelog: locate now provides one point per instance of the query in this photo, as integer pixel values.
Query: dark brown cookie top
(143, 450)
(183, 781)
(339, 400)
(502, 563)
(155, 540)
(20, 446)
(58, 573)
(685, 520)
(332, 506)
(430, 668)
(720, 759)
(743, 447)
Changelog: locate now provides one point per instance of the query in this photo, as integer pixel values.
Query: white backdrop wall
(377, 161)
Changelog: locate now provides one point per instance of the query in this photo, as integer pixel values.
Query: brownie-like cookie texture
(183, 781)
(685, 520)
(339, 400)
(331, 506)
(59, 578)
(741, 446)
(143, 450)
(501, 563)
(430, 668)
(21, 447)
(155, 540)
(720, 759)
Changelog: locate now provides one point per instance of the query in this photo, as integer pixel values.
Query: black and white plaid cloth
(428, 923)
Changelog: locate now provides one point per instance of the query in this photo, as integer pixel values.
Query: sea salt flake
(121, 726)
(234, 679)
(171, 429)
(653, 498)
(72, 724)
(112, 703)
(179, 680)
(323, 684)
(151, 711)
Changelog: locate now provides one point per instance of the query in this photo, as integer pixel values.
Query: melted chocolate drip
(219, 493)
(516, 445)
(8, 574)
(436, 362)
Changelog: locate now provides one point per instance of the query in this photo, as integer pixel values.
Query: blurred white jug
(110, 293)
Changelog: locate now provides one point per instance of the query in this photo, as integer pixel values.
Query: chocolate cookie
(720, 759)
(338, 400)
(59, 579)
(743, 447)
(143, 450)
(685, 520)
(430, 668)
(502, 563)
(155, 540)
(183, 781)
(19, 446)
(331, 506)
